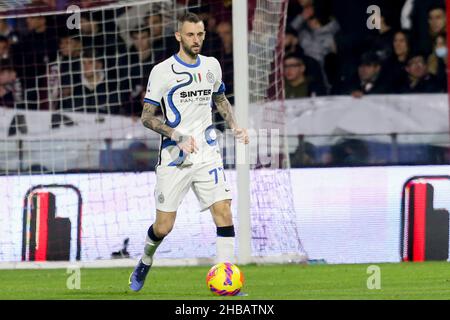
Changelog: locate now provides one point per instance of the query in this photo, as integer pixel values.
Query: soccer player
(184, 86)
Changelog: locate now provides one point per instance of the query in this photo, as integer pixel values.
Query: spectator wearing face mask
(437, 61)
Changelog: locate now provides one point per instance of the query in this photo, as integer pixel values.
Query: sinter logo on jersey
(198, 96)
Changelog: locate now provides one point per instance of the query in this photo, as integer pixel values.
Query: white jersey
(184, 92)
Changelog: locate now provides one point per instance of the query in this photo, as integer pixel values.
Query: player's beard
(188, 49)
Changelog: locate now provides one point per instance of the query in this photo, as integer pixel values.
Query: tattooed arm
(151, 121)
(225, 110)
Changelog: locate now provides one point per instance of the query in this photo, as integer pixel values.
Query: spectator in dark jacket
(224, 30)
(369, 79)
(438, 60)
(395, 65)
(70, 63)
(10, 86)
(419, 80)
(94, 93)
(35, 50)
(381, 41)
(135, 69)
(428, 19)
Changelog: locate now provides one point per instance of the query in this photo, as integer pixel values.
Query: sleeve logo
(210, 77)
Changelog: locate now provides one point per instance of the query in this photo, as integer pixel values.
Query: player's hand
(241, 135)
(186, 143)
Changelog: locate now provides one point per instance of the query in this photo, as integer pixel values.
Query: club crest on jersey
(197, 77)
(210, 77)
(161, 198)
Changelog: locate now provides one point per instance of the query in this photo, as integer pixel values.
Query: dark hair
(188, 17)
(369, 58)
(3, 39)
(293, 56)
(72, 34)
(437, 6)
(6, 64)
(90, 53)
(415, 54)
(141, 29)
(153, 14)
(406, 33)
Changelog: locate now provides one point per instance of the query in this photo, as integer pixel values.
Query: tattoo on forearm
(151, 121)
(225, 109)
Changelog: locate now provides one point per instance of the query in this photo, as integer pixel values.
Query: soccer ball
(225, 279)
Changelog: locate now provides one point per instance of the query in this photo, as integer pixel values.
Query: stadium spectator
(313, 68)
(351, 40)
(381, 42)
(70, 46)
(138, 65)
(10, 86)
(395, 65)
(437, 21)
(225, 33)
(291, 42)
(162, 45)
(101, 37)
(35, 50)
(297, 83)
(94, 93)
(8, 32)
(437, 61)
(316, 32)
(4, 48)
(316, 37)
(224, 30)
(419, 80)
(212, 42)
(369, 79)
(142, 53)
(305, 10)
(70, 65)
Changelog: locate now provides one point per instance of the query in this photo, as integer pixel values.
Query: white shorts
(207, 180)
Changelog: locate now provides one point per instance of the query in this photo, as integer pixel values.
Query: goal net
(76, 164)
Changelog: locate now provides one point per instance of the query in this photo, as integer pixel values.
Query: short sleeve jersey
(184, 92)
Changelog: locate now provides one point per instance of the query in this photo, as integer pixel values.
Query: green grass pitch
(430, 280)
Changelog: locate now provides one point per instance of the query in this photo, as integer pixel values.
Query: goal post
(241, 98)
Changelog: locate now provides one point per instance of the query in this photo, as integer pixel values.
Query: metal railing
(31, 156)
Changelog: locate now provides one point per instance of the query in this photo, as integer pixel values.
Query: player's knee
(162, 229)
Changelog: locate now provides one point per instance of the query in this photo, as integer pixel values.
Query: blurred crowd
(102, 66)
(329, 50)
(332, 48)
